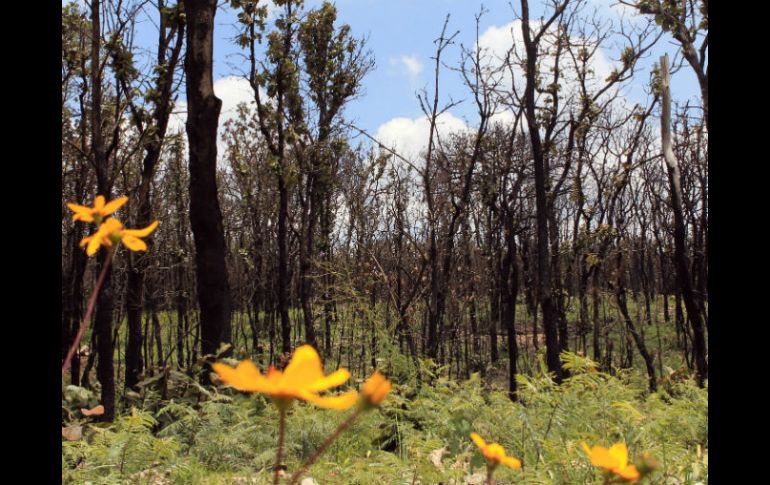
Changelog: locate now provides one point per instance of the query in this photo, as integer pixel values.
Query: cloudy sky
(401, 36)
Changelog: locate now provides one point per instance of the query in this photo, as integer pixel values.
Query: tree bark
(104, 302)
(510, 272)
(152, 148)
(544, 283)
(680, 245)
(620, 298)
(203, 109)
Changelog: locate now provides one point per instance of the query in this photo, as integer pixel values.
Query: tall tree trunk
(495, 287)
(544, 283)
(556, 272)
(434, 297)
(72, 307)
(597, 351)
(510, 281)
(283, 265)
(307, 249)
(205, 215)
(152, 149)
(680, 249)
(620, 298)
(104, 302)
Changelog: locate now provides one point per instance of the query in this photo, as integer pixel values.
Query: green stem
(340, 429)
(89, 310)
(279, 453)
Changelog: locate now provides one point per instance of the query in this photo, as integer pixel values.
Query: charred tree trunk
(152, 149)
(307, 249)
(620, 298)
(205, 215)
(104, 303)
(283, 265)
(72, 307)
(495, 287)
(510, 292)
(544, 283)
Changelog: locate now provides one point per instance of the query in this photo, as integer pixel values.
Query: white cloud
(177, 119)
(232, 90)
(498, 42)
(413, 65)
(409, 137)
(409, 65)
(504, 117)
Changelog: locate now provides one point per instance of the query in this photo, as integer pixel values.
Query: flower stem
(279, 452)
(337, 432)
(490, 475)
(89, 311)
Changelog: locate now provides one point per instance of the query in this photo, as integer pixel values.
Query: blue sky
(400, 35)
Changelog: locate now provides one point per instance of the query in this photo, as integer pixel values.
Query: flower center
(115, 237)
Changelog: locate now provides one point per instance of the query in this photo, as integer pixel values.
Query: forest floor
(175, 431)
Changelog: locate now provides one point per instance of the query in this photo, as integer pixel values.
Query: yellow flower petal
(376, 388)
(341, 402)
(336, 378)
(601, 457)
(96, 213)
(478, 440)
(134, 243)
(274, 375)
(614, 459)
(78, 208)
(382, 392)
(82, 213)
(113, 205)
(619, 453)
(93, 244)
(142, 232)
(244, 377)
(494, 452)
(303, 379)
(110, 226)
(304, 369)
(629, 473)
(511, 462)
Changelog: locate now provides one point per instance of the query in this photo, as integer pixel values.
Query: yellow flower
(375, 389)
(495, 453)
(112, 232)
(614, 460)
(303, 379)
(99, 211)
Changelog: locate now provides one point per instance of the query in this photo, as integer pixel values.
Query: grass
(230, 438)
(419, 436)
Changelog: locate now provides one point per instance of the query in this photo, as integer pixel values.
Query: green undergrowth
(229, 438)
